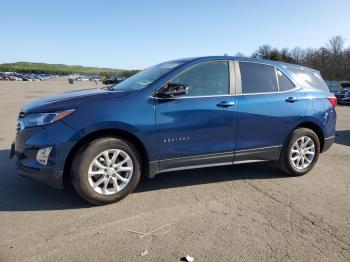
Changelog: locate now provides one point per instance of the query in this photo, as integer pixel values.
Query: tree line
(332, 60)
(61, 69)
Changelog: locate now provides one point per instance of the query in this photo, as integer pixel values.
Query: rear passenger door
(267, 109)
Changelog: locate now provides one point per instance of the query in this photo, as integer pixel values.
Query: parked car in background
(182, 114)
(82, 78)
(95, 78)
(337, 86)
(343, 97)
(14, 76)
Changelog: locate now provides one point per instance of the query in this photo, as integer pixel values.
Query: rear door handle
(291, 99)
(225, 104)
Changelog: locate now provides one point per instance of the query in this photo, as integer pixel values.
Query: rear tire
(106, 170)
(300, 152)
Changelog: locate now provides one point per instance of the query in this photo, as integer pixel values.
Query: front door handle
(291, 99)
(225, 104)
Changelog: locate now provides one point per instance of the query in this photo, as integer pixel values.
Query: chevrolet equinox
(181, 114)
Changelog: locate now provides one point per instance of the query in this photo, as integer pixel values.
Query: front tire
(300, 152)
(106, 170)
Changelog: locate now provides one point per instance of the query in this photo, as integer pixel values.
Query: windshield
(145, 77)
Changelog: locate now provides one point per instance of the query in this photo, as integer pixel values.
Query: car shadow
(199, 176)
(22, 194)
(343, 137)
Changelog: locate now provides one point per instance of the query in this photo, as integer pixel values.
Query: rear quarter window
(284, 82)
(310, 78)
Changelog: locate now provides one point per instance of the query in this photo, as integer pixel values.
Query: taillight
(332, 100)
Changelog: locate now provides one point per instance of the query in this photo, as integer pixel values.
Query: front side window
(284, 82)
(258, 78)
(205, 79)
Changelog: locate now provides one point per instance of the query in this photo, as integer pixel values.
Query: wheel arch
(316, 128)
(110, 132)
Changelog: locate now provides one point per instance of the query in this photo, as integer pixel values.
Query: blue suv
(181, 114)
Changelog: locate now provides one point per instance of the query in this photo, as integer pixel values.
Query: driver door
(197, 129)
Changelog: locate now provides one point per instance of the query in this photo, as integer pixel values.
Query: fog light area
(43, 155)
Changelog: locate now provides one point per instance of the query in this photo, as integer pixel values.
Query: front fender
(133, 115)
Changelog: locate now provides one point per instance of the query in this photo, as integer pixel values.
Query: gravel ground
(236, 213)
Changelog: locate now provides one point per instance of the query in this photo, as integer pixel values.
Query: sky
(136, 34)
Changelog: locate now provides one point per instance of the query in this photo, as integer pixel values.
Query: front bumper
(53, 178)
(28, 141)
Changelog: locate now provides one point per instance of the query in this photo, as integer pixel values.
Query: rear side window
(205, 79)
(310, 78)
(258, 78)
(284, 82)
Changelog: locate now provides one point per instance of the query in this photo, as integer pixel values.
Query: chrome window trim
(232, 95)
(188, 97)
(238, 83)
(267, 93)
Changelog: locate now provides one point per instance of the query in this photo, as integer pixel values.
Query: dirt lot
(236, 213)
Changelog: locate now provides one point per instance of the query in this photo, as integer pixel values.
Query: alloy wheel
(110, 171)
(302, 153)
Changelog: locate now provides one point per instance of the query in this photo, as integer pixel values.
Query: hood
(69, 100)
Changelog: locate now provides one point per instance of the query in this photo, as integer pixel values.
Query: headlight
(40, 119)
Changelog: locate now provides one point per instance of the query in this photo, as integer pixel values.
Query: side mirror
(173, 90)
